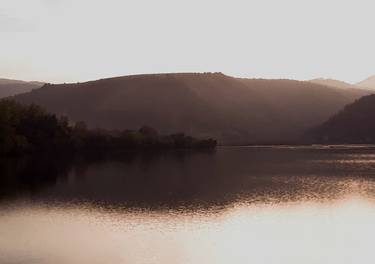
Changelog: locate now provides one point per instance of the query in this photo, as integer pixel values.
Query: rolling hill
(12, 87)
(354, 124)
(232, 110)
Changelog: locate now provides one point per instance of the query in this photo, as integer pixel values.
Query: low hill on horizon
(9, 87)
(232, 110)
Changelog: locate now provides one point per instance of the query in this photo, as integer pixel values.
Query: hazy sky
(77, 40)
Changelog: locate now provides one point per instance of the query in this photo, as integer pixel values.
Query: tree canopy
(31, 128)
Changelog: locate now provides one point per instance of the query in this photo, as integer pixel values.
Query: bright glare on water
(236, 205)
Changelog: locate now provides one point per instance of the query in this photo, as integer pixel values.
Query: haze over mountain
(369, 83)
(354, 124)
(232, 110)
(10, 87)
(334, 83)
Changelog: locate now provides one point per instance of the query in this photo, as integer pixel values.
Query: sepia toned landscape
(187, 132)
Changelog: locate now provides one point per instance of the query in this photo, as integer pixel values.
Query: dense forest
(30, 128)
(354, 124)
(204, 105)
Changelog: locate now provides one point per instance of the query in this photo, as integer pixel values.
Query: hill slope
(211, 104)
(354, 124)
(12, 87)
(369, 83)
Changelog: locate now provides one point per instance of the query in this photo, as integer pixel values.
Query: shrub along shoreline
(25, 129)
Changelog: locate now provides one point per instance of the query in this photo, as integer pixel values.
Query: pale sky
(78, 40)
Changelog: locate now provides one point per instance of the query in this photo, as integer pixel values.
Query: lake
(232, 205)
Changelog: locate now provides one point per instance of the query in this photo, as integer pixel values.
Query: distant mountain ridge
(369, 83)
(9, 87)
(232, 110)
(334, 83)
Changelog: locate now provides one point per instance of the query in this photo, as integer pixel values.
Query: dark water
(232, 205)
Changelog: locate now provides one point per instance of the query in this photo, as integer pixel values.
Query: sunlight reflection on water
(308, 232)
(280, 206)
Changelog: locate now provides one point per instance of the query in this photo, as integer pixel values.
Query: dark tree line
(31, 128)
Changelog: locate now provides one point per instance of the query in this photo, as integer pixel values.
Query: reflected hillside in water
(191, 179)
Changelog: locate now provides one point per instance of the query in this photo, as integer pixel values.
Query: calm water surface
(234, 205)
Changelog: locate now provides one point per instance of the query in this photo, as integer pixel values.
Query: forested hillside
(354, 124)
(232, 110)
